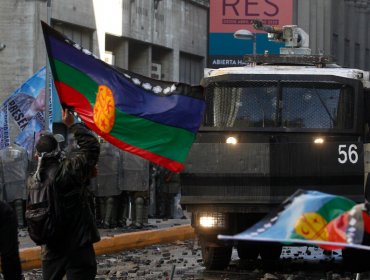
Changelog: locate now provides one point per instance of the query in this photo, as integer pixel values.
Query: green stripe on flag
(167, 141)
(76, 79)
(335, 207)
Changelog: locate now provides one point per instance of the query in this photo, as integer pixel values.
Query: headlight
(319, 140)
(231, 140)
(212, 220)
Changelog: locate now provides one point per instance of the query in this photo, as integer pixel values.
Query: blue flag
(26, 105)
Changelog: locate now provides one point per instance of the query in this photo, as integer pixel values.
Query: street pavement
(26, 242)
(153, 262)
(182, 260)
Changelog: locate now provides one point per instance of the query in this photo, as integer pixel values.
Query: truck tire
(270, 251)
(247, 250)
(216, 258)
(356, 260)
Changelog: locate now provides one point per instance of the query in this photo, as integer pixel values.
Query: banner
(26, 105)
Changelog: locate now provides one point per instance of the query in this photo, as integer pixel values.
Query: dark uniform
(168, 192)
(10, 263)
(14, 172)
(106, 188)
(134, 182)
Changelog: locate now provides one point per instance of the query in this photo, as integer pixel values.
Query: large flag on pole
(154, 119)
(314, 218)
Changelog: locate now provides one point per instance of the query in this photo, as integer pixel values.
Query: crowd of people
(97, 185)
(125, 193)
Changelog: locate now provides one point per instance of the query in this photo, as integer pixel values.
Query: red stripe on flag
(169, 164)
(85, 111)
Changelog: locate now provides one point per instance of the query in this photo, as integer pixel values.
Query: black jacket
(71, 178)
(10, 262)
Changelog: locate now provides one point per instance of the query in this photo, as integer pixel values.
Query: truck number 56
(347, 154)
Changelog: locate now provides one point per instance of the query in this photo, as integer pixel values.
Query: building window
(79, 35)
(162, 59)
(191, 68)
(109, 57)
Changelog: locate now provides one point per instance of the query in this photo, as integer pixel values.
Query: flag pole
(48, 75)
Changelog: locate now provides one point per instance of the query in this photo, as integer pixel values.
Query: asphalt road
(183, 260)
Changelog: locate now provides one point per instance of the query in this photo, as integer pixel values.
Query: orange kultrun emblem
(312, 226)
(104, 109)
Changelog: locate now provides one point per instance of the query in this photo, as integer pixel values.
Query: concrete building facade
(165, 39)
(340, 28)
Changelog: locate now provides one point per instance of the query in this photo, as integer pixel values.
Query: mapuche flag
(154, 119)
(314, 218)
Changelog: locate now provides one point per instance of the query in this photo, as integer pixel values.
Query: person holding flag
(156, 120)
(68, 251)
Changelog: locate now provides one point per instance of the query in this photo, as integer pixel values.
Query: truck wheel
(270, 252)
(356, 260)
(216, 258)
(247, 250)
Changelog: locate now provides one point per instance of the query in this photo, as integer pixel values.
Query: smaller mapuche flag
(312, 217)
(154, 119)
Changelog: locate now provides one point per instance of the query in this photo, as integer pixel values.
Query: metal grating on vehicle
(320, 60)
(279, 104)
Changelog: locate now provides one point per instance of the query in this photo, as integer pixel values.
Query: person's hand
(67, 118)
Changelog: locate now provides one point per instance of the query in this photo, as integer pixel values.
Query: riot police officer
(14, 163)
(134, 184)
(168, 192)
(106, 185)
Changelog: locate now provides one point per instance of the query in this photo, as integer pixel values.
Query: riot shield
(135, 173)
(14, 168)
(107, 179)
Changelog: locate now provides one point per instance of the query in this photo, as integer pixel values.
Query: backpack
(41, 209)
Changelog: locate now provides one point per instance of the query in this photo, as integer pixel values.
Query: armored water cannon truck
(278, 124)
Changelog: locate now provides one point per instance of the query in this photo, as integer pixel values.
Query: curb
(31, 257)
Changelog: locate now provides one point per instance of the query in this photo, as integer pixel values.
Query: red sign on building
(231, 15)
(228, 16)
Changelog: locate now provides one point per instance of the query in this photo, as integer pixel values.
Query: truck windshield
(314, 105)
